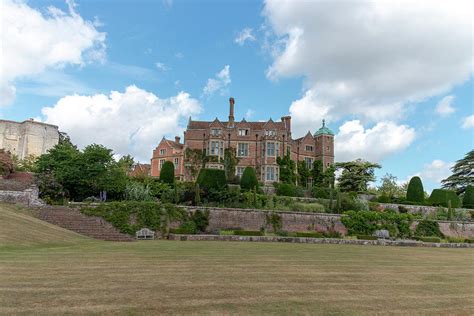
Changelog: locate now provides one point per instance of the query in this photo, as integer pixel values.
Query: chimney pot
(177, 139)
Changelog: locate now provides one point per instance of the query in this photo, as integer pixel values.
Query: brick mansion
(256, 144)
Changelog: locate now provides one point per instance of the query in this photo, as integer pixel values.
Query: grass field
(57, 272)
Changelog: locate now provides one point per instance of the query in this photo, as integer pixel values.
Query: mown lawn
(150, 277)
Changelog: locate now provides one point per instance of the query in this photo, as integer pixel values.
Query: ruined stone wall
(28, 138)
(28, 197)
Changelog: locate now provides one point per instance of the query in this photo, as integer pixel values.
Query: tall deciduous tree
(463, 174)
(389, 187)
(356, 175)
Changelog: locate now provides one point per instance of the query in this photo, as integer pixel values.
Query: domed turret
(324, 130)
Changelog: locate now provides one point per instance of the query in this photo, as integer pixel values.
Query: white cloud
(373, 144)
(161, 66)
(33, 41)
(468, 122)
(444, 107)
(219, 83)
(369, 59)
(179, 55)
(245, 35)
(130, 122)
(435, 171)
(249, 114)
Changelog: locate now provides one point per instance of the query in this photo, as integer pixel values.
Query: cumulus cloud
(444, 107)
(219, 83)
(245, 35)
(369, 59)
(161, 66)
(435, 171)
(129, 122)
(468, 122)
(33, 41)
(373, 144)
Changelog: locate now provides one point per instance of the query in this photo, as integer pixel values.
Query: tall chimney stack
(231, 111)
(177, 139)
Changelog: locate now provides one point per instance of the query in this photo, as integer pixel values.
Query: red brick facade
(257, 144)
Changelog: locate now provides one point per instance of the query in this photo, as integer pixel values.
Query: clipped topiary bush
(468, 199)
(211, 179)
(415, 191)
(440, 197)
(167, 172)
(286, 189)
(249, 179)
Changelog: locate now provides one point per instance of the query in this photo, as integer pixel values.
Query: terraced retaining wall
(252, 219)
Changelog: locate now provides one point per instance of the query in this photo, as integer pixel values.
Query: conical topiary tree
(167, 172)
(468, 199)
(249, 179)
(415, 191)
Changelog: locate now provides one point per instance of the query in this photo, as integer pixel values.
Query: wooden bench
(145, 234)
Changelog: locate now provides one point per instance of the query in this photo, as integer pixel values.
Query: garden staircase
(73, 219)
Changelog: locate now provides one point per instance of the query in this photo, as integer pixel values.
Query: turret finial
(324, 122)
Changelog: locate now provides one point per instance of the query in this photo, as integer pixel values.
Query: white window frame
(239, 171)
(242, 152)
(310, 148)
(243, 132)
(215, 131)
(270, 176)
(160, 165)
(162, 152)
(176, 163)
(270, 132)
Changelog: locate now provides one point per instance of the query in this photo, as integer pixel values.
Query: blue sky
(398, 95)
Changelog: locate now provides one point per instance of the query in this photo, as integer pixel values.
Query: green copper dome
(324, 130)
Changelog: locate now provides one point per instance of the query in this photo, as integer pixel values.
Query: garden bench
(145, 234)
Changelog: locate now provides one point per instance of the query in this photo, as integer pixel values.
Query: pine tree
(463, 174)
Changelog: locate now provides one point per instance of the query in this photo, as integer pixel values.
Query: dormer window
(309, 148)
(162, 151)
(215, 132)
(270, 133)
(243, 132)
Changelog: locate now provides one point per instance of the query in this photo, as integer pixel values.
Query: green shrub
(167, 172)
(415, 191)
(468, 199)
(384, 199)
(226, 232)
(366, 237)
(307, 207)
(249, 179)
(131, 216)
(367, 222)
(136, 191)
(469, 240)
(428, 228)
(323, 193)
(430, 239)
(248, 233)
(440, 197)
(211, 179)
(309, 234)
(286, 189)
(200, 220)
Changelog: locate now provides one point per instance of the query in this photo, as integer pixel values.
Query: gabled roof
(171, 143)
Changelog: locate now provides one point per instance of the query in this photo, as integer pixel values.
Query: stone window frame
(309, 162)
(216, 132)
(239, 171)
(310, 148)
(213, 152)
(271, 173)
(163, 151)
(176, 163)
(160, 163)
(243, 132)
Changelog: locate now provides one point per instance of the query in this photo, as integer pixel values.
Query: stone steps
(73, 219)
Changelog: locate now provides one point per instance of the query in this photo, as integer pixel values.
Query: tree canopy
(356, 175)
(463, 174)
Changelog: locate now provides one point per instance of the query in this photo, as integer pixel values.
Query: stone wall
(304, 240)
(27, 197)
(423, 209)
(251, 219)
(28, 138)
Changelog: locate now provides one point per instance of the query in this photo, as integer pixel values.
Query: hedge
(415, 191)
(309, 234)
(367, 222)
(248, 233)
(211, 179)
(167, 172)
(468, 199)
(430, 239)
(440, 197)
(249, 179)
(366, 237)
